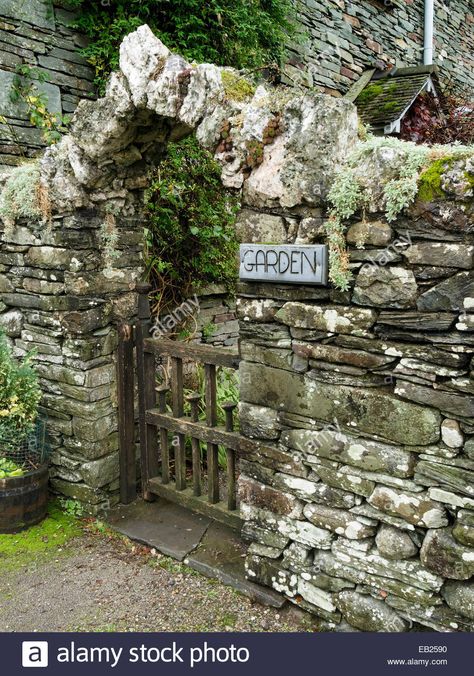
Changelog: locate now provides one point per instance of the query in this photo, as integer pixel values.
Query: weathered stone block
(444, 401)
(369, 614)
(81, 492)
(363, 453)
(271, 574)
(451, 433)
(260, 228)
(443, 555)
(258, 422)
(257, 310)
(460, 597)
(340, 355)
(338, 521)
(449, 294)
(315, 492)
(416, 509)
(335, 319)
(463, 530)
(410, 572)
(317, 597)
(393, 543)
(56, 258)
(357, 574)
(371, 233)
(99, 473)
(297, 555)
(377, 413)
(94, 430)
(347, 481)
(259, 495)
(300, 531)
(441, 474)
(440, 253)
(385, 287)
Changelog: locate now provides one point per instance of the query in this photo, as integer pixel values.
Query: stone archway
(78, 273)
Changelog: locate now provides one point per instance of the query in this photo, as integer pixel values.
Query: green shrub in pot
(20, 395)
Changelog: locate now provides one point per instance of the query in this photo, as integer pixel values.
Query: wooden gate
(173, 465)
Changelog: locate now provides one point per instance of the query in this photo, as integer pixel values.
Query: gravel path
(101, 582)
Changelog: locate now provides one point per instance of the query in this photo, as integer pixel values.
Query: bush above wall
(234, 33)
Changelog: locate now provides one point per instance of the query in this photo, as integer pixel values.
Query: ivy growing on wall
(190, 236)
(25, 88)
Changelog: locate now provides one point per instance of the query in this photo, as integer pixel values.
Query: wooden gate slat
(164, 441)
(146, 393)
(205, 354)
(178, 411)
(126, 412)
(211, 420)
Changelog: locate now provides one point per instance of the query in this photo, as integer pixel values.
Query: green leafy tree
(238, 33)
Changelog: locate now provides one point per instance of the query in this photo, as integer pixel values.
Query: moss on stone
(469, 179)
(236, 86)
(41, 542)
(370, 93)
(430, 183)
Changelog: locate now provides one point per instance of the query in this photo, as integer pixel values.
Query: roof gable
(387, 97)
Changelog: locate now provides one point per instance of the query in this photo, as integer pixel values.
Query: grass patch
(39, 543)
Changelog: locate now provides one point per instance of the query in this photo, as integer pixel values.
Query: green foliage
(238, 33)
(109, 236)
(72, 507)
(370, 93)
(227, 390)
(9, 469)
(19, 197)
(236, 87)
(52, 125)
(349, 194)
(190, 236)
(346, 194)
(19, 395)
(208, 330)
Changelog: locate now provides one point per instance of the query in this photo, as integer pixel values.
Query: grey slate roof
(386, 97)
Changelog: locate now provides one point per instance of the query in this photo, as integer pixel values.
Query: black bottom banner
(275, 654)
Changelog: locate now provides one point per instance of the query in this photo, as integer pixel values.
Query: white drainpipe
(429, 31)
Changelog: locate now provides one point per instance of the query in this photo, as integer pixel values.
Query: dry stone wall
(363, 512)
(346, 37)
(360, 508)
(69, 266)
(38, 33)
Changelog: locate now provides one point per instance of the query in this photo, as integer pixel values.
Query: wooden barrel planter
(23, 500)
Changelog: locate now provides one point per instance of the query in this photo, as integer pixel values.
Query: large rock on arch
(157, 97)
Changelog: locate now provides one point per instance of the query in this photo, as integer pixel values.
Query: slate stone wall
(59, 298)
(359, 503)
(346, 37)
(37, 33)
(361, 508)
